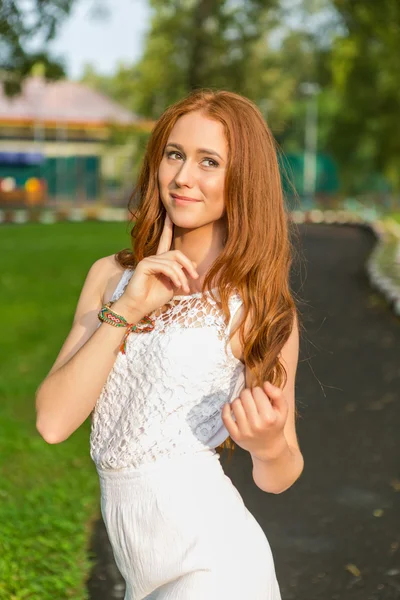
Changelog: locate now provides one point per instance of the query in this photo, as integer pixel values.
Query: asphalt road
(335, 534)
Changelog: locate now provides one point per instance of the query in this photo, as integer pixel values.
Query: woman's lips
(183, 199)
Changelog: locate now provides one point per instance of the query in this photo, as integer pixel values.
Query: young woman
(183, 344)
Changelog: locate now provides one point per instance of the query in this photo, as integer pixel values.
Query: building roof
(62, 102)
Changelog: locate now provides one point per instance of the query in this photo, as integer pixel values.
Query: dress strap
(123, 282)
(121, 285)
(235, 302)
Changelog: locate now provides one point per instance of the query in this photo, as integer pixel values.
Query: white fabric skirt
(179, 530)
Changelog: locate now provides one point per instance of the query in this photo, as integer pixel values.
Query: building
(53, 140)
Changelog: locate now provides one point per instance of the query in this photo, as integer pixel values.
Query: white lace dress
(178, 527)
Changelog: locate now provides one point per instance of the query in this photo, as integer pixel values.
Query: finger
(240, 416)
(168, 269)
(189, 265)
(249, 405)
(262, 402)
(273, 392)
(176, 266)
(228, 421)
(166, 236)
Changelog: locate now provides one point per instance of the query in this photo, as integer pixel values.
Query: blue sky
(102, 42)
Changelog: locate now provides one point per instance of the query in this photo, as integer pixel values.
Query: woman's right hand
(152, 283)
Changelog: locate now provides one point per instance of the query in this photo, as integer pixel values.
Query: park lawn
(49, 495)
(396, 216)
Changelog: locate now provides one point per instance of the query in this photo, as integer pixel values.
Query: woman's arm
(282, 464)
(68, 394)
(264, 424)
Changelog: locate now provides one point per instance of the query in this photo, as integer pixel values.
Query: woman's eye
(210, 160)
(173, 152)
(214, 163)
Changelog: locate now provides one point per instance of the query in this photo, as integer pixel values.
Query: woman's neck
(201, 245)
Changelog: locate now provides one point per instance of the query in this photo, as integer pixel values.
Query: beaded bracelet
(112, 318)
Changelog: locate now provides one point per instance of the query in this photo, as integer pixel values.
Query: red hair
(257, 256)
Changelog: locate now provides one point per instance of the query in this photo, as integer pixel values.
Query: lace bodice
(165, 395)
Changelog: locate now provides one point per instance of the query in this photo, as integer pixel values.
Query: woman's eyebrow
(200, 150)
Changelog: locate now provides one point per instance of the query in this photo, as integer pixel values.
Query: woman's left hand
(261, 414)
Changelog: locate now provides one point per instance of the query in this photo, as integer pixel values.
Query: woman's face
(193, 165)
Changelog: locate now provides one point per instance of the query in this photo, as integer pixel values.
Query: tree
(20, 22)
(364, 65)
(200, 43)
(223, 45)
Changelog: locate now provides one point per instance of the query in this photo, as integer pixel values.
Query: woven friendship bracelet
(109, 316)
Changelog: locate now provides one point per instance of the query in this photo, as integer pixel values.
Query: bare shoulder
(98, 287)
(108, 272)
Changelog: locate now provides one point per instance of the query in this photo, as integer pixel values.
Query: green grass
(49, 494)
(396, 217)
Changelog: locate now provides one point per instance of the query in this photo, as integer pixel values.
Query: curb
(63, 213)
(387, 234)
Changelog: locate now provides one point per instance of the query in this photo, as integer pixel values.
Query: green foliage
(19, 23)
(219, 45)
(121, 86)
(365, 73)
(48, 493)
(200, 44)
(263, 49)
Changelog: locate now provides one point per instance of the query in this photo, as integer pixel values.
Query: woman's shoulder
(109, 272)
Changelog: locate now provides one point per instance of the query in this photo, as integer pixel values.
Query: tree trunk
(203, 10)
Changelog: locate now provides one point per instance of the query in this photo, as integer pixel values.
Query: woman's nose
(185, 175)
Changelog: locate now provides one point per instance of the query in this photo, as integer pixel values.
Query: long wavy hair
(258, 251)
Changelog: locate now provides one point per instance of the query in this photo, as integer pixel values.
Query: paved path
(335, 534)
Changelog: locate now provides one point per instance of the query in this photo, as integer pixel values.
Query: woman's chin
(185, 222)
